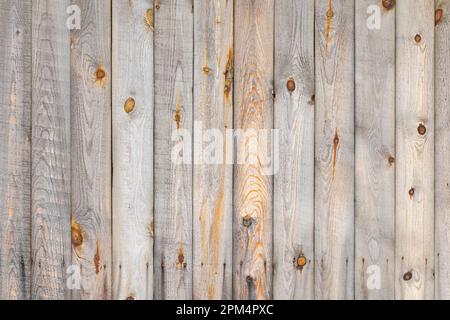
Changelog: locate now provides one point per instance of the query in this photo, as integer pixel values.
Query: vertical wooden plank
(213, 176)
(50, 192)
(294, 183)
(173, 143)
(415, 150)
(133, 149)
(91, 148)
(375, 149)
(252, 226)
(334, 145)
(442, 169)
(15, 151)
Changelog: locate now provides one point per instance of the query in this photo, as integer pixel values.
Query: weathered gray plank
(213, 176)
(442, 164)
(415, 150)
(374, 149)
(334, 145)
(172, 163)
(133, 149)
(294, 183)
(252, 226)
(50, 192)
(91, 149)
(15, 150)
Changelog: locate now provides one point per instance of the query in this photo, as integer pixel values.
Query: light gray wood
(442, 164)
(173, 129)
(15, 150)
(414, 251)
(294, 117)
(253, 183)
(91, 149)
(213, 180)
(50, 189)
(133, 149)
(374, 151)
(334, 150)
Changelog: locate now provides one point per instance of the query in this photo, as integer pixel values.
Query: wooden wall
(105, 192)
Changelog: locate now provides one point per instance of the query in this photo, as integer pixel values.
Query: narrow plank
(334, 145)
(133, 149)
(414, 249)
(253, 183)
(294, 183)
(15, 151)
(442, 154)
(213, 176)
(91, 149)
(50, 194)
(172, 154)
(374, 150)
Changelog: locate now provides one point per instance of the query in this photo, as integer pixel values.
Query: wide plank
(51, 159)
(253, 121)
(132, 143)
(213, 174)
(374, 149)
(294, 118)
(15, 150)
(173, 60)
(414, 245)
(334, 149)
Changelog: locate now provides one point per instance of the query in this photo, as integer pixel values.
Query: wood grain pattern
(442, 165)
(133, 149)
(415, 150)
(213, 176)
(138, 150)
(294, 117)
(252, 225)
(334, 145)
(375, 151)
(50, 193)
(91, 149)
(173, 143)
(15, 151)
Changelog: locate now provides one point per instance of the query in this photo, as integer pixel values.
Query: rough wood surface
(334, 149)
(414, 249)
(442, 165)
(213, 176)
(133, 149)
(15, 150)
(138, 158)
(50, 188)
(252, 203)
(294, 117)
(374, 151)
(173, 149)
(91, 149)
